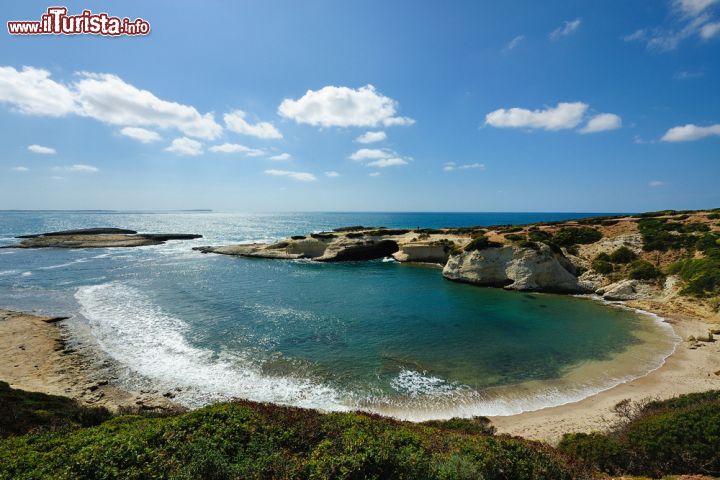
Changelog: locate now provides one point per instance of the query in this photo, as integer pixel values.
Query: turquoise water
(378, 335)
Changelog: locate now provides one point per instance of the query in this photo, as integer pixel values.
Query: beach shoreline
(37, 353)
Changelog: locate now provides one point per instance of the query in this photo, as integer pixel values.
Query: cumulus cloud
(602, 122)
(512, 44)
(78, 167)
(387, 162)
(140, 134)
(20, 168)
(332, 174)
(688, 18)
(452, 166)
(371, 137)
(109, 99)
(235, 121)
(690, 132)
(185, 146)
(369, 154)
(564, 116)
(103, 97)
(657, 183)
(281, 157)
(42, 150)
(343, 107)
(299, 176)
(31, 91)
(568, 27)
(237, 148)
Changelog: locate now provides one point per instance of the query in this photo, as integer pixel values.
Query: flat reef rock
(97, 238)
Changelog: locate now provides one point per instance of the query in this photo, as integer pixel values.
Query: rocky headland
(661, 261)
(97, 238)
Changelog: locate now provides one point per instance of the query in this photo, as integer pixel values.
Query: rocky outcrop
(629, 290)
(423, 253)
(98, 238)
(515, 268)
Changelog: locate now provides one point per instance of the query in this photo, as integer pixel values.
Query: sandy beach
(35, 356)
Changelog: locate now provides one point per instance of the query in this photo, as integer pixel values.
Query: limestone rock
(514, 268)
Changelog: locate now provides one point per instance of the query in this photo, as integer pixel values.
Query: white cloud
(374, 174)
(140, 134)
(371, 137)
(78, 168)
(343, 107)
(452, 166)
(693, 7)
(20, 168)
(42, 150)
(690, 132)
(370, 154)
(568, 27)
(332, 174)
(657, 183)
(513, 43)
(235, 121)
(602, 122)
(564, 116)
(299, 176)
(281, 157)
(237, 148)
(107, 98)
(32, 92)
(709, 30)
(688, 18)
(185, 146)
(387, 162)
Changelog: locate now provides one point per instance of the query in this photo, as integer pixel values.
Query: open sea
(380, 336)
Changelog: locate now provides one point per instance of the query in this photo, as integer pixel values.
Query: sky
(403, 105)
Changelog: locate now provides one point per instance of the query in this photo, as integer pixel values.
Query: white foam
(152, 343)
(67, 264)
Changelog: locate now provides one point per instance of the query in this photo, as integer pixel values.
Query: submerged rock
(514, 268)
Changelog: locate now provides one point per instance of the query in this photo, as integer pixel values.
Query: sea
(379, 336)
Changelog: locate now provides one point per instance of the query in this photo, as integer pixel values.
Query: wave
(152, 343)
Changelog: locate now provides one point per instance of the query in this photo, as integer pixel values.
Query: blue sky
(262, 106)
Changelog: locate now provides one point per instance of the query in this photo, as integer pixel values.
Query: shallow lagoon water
(383, 336)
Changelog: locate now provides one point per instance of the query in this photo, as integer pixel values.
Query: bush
(622, 255)
(643, 270)
(601, 265)
(671, 437)
(568, 236)
(481, 243)
(660, 235)
(262, 441)
(539, 236)
(514, 237)
(528, 244)
(701, 275)
(23, 412)
(714, 216)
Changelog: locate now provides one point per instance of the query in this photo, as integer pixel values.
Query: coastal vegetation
(246, 440)
(671, 437)
(53, 437)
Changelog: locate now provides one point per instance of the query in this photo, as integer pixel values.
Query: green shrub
(671, 437)
(622, 255)
(22, 412)
(601, 265)
(481, 243)
(714, 216)
(643, 270)
(535, 235)
(568, 236)
(528, 244)
(514, 237)
(660, 235)
(263, 441)
(701, 275)
(603, 452)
